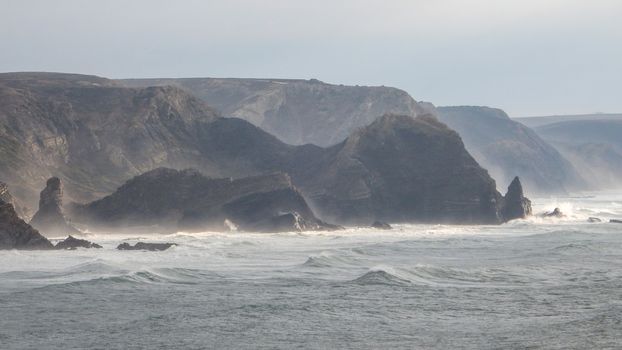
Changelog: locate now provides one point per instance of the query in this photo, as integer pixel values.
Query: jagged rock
(146, 246)
(50, 217)
(556, 213)
(593, 219)
(6, 197)
(171, 200)
(381, 225)
(614, 221)
(515, 205)
(15, 233)
(73, 243)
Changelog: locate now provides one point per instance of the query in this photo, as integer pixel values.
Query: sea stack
(516, 205)
(15, 233)
(50, 217)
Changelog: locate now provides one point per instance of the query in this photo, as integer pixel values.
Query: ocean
(540, 283)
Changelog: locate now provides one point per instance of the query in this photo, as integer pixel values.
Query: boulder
(380, 225)
(50, 217)
(593, 219)
(73, 243)
(145, 246)
(614, 221)
(556, 213)
(515, 204)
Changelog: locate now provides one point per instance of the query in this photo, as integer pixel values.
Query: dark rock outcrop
(556, 213)
(381, 225)
(507, 148)
(401, 169)
(74, 243)
(146, 246)
(515, 205)
(50, 217)
(15, 233)
(614, 221)
(171, 200)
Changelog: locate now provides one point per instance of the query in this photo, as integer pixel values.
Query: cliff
(296, 111)
(508, 148)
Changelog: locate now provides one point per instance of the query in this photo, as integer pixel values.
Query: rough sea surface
(537, 283)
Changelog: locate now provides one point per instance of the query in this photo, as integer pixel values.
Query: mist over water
(541, 283)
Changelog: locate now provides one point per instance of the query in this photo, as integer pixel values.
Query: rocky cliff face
(296, 111)
(593, 145)
(50, 217)
(91, 132)
(507, 148)
(15, 233)
(94, 135)
(402, 169)
(171, 200)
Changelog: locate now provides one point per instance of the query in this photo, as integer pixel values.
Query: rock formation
(50, 217)
(96, 134)
(515, 205)
(15, 233)
(74, 243)
(401, 169)
(146, 246)
(296, 111)
(170, 200)
(593, 145)
(556, 213)
(507, 148)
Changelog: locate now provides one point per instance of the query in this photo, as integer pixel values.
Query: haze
(528, 57)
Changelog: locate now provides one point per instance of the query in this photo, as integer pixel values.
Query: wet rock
(515, 204)
(50, 217)
(593, 219)
(381, 225)
(15, 233)
(73, 243)
(614, 221)
(556, 213)
(146, 246)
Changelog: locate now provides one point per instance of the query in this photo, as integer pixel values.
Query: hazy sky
(528, 57)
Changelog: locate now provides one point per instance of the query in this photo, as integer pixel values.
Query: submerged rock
(381, 225)
(614, 221)
(50, 217)
(145, 246)
(73, 243)
(515, 204)
(593, 219)
(556, 213)
(15, 233)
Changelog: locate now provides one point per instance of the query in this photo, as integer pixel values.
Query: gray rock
(614, 221)
(74, 243)
(515, 205)
(556, 213)
(15, 233)
(171, 200)
(593, 219)
(50, 217)
(146, 246)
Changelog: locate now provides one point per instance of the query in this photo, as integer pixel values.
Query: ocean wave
(381, 277)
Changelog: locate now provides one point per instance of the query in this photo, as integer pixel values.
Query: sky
(528, 57)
